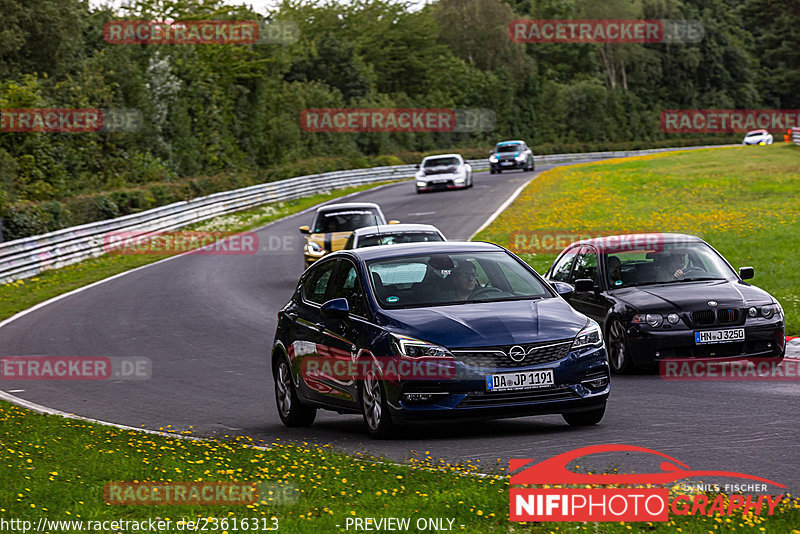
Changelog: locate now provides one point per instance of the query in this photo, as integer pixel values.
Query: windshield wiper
(698, 279)
(507, 298)
(651, 283)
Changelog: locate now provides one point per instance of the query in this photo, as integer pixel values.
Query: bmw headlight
(314, 248)
(653, 319)
(416, 348)
(769, 310)
(422, 184)
(589, 336)
(493, 158)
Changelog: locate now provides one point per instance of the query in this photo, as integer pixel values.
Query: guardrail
(29, 256)
(796, 136)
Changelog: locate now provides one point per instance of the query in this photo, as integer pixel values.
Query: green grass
(57, 468)
(744, 201)
(22, 294)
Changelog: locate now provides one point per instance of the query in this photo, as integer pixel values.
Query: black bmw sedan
(432, 332)
(664, 296)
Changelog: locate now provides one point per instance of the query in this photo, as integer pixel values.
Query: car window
(562, 267)
(345, 221)
(510, 148)
(519, 285)
(348, 286)
(394, 239)
(441, 162)
(452, 278)
(585, 266)
(659, 265)
(399, 272)
(316, 283)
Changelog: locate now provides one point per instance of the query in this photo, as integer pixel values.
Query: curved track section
(206, 322)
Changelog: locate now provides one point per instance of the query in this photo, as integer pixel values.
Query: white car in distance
(443, 172)
(757, 137)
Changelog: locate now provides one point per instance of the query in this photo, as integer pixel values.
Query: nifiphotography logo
(631, 497)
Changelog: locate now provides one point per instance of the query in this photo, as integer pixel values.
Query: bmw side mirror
(746, 273)
(564, 289)
(304, 230)
(335, 309)
(583, 285)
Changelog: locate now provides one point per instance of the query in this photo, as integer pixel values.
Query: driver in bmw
(674, 266)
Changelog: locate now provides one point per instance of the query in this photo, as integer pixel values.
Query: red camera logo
(623, 503)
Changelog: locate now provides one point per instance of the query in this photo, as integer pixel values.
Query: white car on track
(442, 172)
(395, 234)
(757, 137)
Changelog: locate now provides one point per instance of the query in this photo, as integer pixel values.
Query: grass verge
(741, 200)
(57, 468)
(22, 294)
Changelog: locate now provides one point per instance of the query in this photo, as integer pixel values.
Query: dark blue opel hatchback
(433, 332)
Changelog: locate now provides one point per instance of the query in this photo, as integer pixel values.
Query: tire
(492, 171)
(619, 354)
(374, 407)
(590, 418)
(291, 412)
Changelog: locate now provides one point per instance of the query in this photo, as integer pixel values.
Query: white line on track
(44, 409)
(502, 207)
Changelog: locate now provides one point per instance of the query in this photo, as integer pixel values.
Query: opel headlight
(416, 348)
(493, 158)
(520, 157)
(589, 336)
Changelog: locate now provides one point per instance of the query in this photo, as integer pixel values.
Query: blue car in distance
(435, 332)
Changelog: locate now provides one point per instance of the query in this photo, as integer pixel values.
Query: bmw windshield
(669, 263)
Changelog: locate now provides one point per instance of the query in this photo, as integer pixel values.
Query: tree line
(218, 116)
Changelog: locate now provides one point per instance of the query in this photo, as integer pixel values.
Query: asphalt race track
(207, 322)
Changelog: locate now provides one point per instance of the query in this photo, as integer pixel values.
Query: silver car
(371, 236)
